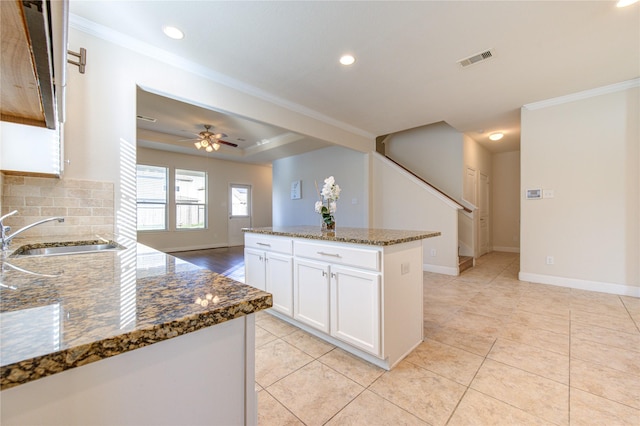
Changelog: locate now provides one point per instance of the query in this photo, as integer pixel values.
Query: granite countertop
(61, 312)
(368, 236)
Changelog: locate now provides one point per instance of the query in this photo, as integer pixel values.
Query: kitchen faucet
(6, 239)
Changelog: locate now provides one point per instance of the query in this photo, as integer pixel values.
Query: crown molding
(611, 88)
(105, 33)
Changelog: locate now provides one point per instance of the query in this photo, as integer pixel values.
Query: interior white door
(469, 189)
(239, 213)
(484, 214)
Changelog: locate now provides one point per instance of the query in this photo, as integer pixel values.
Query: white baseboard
(507, 249)
(446, 270)
(603, 287)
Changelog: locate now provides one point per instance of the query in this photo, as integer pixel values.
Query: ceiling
(177, 126)
(406, 73)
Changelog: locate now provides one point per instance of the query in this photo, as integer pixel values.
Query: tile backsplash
(87, 206)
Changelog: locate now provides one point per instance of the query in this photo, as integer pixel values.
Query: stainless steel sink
(56, 249)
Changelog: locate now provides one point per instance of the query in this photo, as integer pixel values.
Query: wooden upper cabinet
(21, 95)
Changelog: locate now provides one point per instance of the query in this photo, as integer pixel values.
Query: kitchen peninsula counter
(58, 313)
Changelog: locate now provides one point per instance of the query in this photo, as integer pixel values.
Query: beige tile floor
(497, 351)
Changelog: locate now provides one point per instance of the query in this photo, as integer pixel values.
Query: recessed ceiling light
(173, 32)
(496, 136)
(347, 60)
(625, 3)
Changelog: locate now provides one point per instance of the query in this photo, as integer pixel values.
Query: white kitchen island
(357, 288)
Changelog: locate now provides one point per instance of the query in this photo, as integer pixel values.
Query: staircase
(464, 263)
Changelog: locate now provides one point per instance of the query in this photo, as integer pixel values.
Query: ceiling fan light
(208, 148)
(198, 145)
(216, 146)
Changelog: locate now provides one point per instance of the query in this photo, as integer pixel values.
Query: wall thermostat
(534, 194)
(296, 190)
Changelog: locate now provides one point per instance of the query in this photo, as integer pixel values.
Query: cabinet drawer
(268, 242)
(341, 255)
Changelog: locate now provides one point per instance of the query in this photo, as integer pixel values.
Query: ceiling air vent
(149, 119)
(478, 57)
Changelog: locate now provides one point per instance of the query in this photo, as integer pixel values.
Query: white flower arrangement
(329, 195)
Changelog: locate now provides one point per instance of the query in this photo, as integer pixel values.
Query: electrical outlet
(404, 268)
(434, 252)
(550, 260)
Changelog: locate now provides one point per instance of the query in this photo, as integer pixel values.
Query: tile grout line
(629, 313)
(284, 406)
(470, 381)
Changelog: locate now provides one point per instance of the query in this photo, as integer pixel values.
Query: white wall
(505, 209)
(349, 168)
(586, 151)
(220, 175)
(100, 131)
(400, 201)
(433, 152)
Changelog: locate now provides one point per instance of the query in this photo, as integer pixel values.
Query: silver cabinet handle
(328, 254)
(264, 244)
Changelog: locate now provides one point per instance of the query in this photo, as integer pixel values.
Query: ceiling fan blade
(235, 145)
(189, 140)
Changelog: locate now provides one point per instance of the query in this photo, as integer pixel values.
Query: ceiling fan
(210, 141)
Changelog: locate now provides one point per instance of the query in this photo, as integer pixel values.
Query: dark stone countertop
(367, 236)
(64, 311)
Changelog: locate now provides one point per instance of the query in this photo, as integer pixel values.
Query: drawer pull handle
(328, 254)
(264, 244)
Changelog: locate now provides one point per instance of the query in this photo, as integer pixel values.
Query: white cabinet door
(279, 282)
(254, 269)
(311, 293)
(355, 308)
